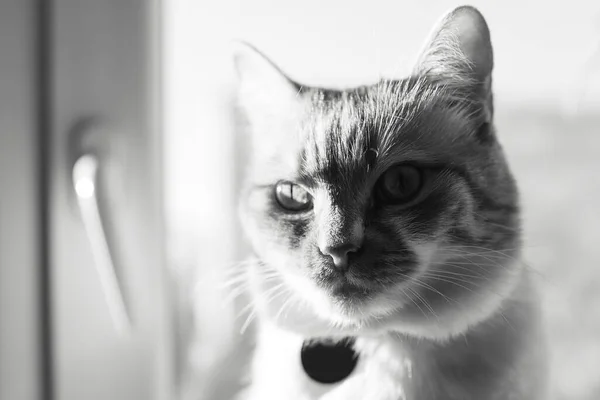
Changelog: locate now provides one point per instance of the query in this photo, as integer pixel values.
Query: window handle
(85, 184)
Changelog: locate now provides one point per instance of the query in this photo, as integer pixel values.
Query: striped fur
(436, 268)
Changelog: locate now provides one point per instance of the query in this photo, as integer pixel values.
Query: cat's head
(390, 203)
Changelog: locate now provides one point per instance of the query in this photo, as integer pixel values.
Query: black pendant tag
(328, 361)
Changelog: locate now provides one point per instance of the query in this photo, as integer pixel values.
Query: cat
(386, 216)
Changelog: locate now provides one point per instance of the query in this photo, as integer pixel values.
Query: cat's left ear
(459, 53)
(262, 86)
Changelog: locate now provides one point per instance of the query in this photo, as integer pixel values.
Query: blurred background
(119, 166)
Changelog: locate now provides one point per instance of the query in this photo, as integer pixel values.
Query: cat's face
(385, 202)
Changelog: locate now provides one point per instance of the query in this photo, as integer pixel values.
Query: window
(121, 165)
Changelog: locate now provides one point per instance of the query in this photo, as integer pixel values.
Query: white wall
(541, 46)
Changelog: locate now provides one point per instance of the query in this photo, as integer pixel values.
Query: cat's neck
(510, 342)
(467, 365)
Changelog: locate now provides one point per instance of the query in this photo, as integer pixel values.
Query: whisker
(231, 282)
(478, 251)
(425, 303)
(284, 305)
(248, 321)
(488, 221)
(451, 281)
(485, 249)
(508, 322)
(414, 301)
(234, 294)
(271, 294)
(242, 285)
(519, 261)
(420, 283)
(458, 274)
(490, 257)
(431, 288)
(457, 279)
(253, 302)
(247, 307)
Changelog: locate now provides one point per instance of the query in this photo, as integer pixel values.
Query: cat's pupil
(400, 184)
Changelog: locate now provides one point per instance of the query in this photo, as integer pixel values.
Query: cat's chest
(384, 370)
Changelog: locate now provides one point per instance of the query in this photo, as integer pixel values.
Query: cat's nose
(339, 254)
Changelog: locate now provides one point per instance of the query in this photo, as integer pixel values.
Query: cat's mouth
(348, 291)
(356, 292)
(363, 279)
(346, 288)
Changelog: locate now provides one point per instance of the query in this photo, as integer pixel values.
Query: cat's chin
(345, 308)
(304, 320)
(340, 319)
(301, 306)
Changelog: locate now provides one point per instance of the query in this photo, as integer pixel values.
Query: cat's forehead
(351, 135)
(335, 136)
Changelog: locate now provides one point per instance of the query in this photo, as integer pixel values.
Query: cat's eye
(400, 184)
(292, 197)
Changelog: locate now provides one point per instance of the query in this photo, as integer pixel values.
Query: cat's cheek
(265, 229)
(426, 252)
(395, 297)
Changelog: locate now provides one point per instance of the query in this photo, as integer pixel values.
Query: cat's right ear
(459, 52)
(262, 86)
(459, 44)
